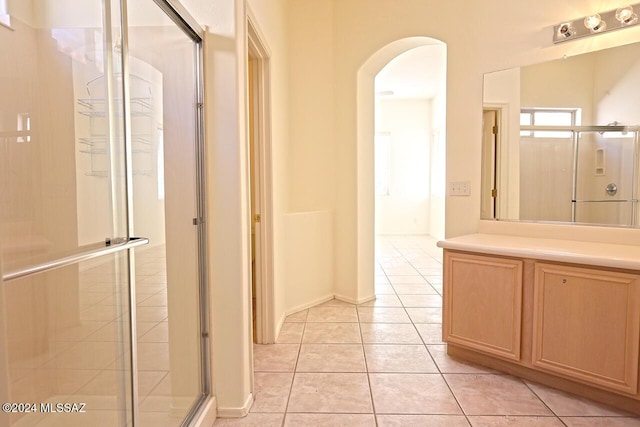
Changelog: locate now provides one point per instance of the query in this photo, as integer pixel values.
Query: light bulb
(626, 15)
(566, 30)
(595, 23)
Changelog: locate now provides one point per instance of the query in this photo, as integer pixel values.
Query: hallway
(383, 363)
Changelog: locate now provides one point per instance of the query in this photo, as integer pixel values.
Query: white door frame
(259, 54)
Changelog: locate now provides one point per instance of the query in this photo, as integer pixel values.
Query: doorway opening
(259, 132)
(491, 118)
(409, 155)
(365, 201)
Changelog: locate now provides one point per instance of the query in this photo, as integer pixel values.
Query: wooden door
(489, 148)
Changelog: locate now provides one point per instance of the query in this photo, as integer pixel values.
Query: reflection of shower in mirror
(565, 130)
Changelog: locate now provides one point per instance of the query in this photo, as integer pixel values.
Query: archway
(365, 153)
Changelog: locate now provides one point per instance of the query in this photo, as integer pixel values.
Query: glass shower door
(163, 60)
(606, 175)
(65, 340)
(100, 140)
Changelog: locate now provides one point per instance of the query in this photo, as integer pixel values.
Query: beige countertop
(572, 251)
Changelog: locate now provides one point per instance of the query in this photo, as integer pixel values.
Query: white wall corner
(229, 412)
(356, 300)
(307, 305)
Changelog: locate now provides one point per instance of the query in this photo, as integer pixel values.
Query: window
(382, 145)
(24, 128)
(548, 117)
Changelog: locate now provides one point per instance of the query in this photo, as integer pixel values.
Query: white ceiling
(416, 73)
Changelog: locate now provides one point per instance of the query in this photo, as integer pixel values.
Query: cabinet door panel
(483, 303)
(586, 325)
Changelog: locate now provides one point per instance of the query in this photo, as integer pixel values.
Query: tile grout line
(364, 353)
(543, 401)
(436, 365)
(295, 369)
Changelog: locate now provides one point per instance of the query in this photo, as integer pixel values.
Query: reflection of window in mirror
(24, 128)
(549, 117)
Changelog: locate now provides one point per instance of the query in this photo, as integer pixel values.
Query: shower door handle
(83, 253)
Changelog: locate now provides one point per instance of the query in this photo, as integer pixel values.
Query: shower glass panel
(580, 174)
(67, 342)
(64, 297)
(546, 176)
(605, 178)
(162, 70)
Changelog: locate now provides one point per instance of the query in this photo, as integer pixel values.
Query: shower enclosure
(580, 174)
(102, 242)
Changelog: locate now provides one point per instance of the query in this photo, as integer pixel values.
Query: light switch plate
(460, 188)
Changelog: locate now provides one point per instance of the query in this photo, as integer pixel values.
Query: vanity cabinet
(483, 303)
(558, 312)
(586, 325)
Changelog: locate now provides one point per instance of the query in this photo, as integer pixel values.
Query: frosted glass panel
(546, 178)
(59, 144)
(67, 341)
(606, 160)
(64, 333)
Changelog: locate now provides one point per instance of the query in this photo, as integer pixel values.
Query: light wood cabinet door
(482, 307)
(587, 325)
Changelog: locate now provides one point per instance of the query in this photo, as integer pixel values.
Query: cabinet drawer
(587, 325)
(483, 303)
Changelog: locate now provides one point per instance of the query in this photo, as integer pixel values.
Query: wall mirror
(560, 140)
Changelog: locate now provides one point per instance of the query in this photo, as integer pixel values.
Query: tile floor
(383, 364)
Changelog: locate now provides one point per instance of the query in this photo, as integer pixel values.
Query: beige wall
(542, 85)
(406, 209)
(614, 84)
(438, 164)
(309, 259)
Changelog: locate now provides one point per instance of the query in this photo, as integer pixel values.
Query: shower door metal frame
(183, 20)
(575, 135)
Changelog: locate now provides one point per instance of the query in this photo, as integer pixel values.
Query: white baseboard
(309, 304)
(300, 308)
(236, 412)
(279, 327)
(354, 301)
(403, 234)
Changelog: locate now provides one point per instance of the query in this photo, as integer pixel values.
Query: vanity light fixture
(596, 23)
(627, 16)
